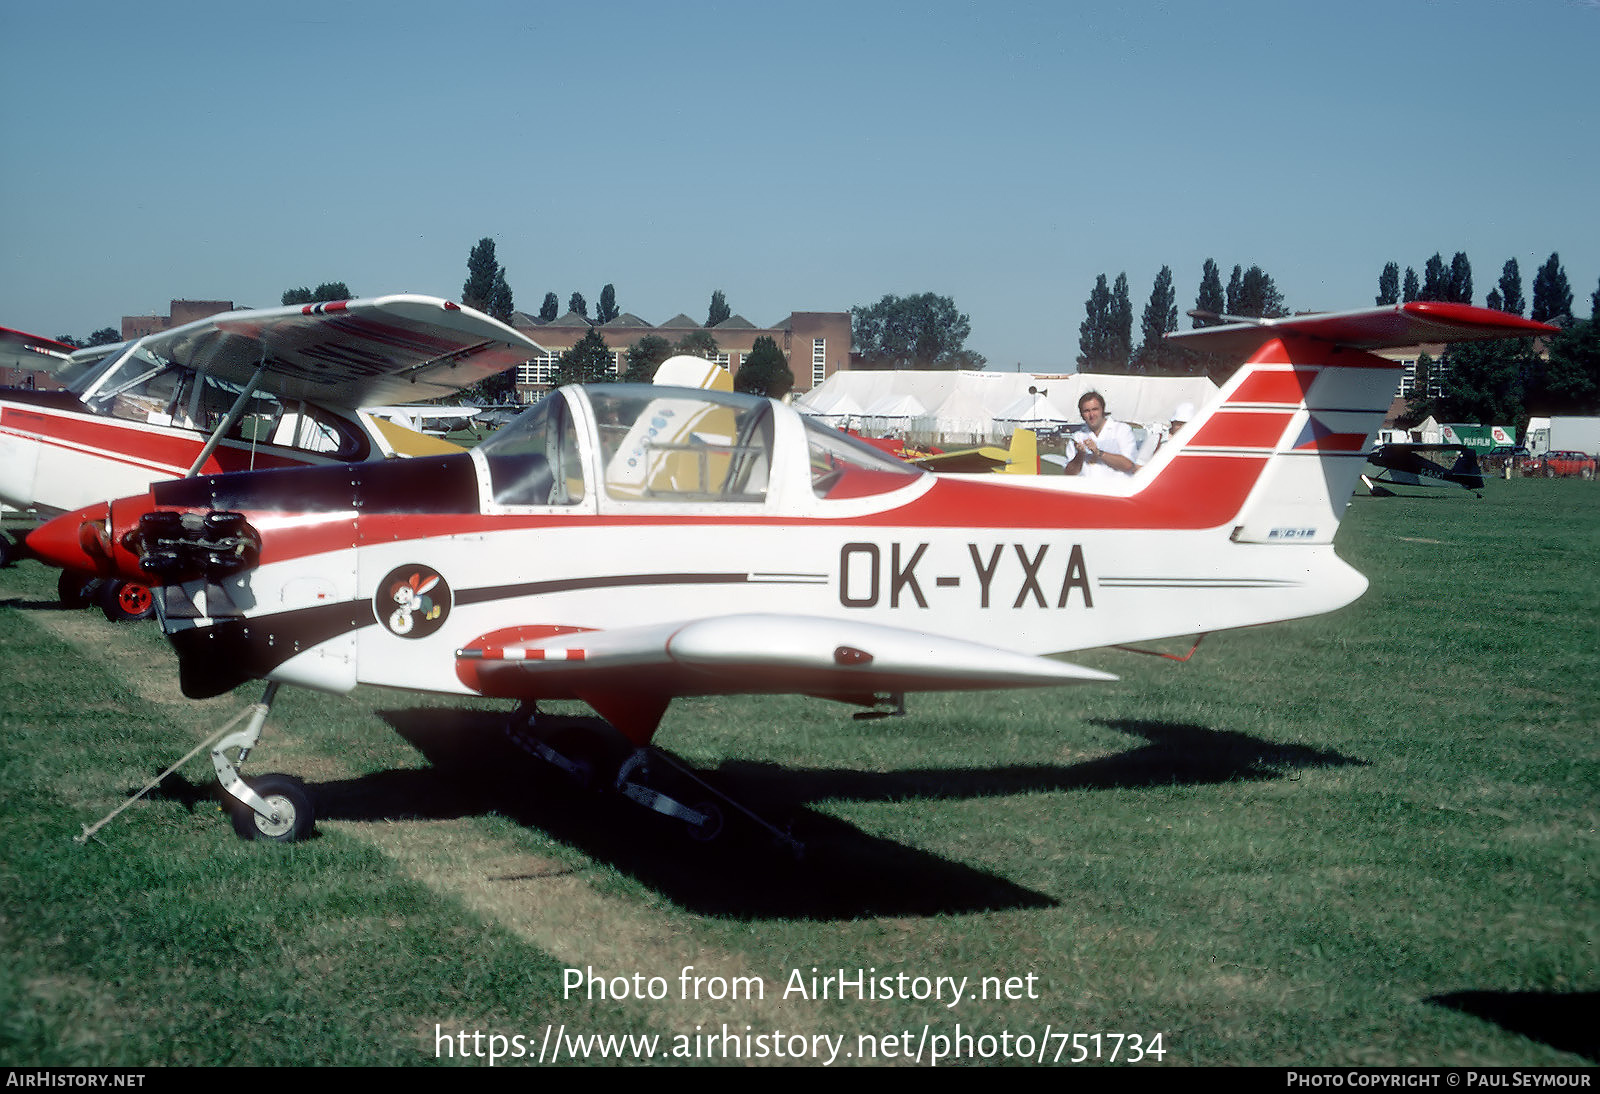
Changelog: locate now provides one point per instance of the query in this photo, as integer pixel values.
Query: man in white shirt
(1106, 447)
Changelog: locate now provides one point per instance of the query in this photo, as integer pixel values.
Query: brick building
(816, 343)
(182, 311)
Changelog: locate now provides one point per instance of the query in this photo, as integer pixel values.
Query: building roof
(735, 322)
(627, 319)
(679, 322)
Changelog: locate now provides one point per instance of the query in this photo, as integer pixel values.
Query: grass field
(1367, 838)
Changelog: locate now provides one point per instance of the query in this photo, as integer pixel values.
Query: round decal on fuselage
(412, 602)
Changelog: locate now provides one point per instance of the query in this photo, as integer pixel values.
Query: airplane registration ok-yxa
(628, 544)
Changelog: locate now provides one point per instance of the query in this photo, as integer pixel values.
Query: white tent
(1034, 410)
(956, 395)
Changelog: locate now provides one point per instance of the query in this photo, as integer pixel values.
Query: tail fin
(1298, 418)
(1022, 458)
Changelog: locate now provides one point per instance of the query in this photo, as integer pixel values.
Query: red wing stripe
(516, 653)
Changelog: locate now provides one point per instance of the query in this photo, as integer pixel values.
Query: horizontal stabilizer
(1386, 327)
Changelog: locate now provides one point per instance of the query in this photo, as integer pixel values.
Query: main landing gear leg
(704, 818)
(270, 807)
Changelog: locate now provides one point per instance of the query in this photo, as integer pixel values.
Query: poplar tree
(486, 288)
(550, 308)
(1210, 298)
(608, 305)
(1435, 282)
(719, 308)
(1458, 285)
(1094, 333)
(1389, 285)
(1552, 296)
(1160, 316)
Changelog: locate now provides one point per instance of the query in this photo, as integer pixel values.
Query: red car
(1563, 464)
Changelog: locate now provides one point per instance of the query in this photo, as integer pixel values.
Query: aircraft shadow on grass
(1562, 1020)
(845, 873)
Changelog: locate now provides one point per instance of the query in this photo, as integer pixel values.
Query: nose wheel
(290, 814)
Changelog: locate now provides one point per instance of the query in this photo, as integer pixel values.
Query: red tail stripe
(1235, 429)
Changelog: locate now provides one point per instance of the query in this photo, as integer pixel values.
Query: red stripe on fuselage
(160, 449)
(1194, 492)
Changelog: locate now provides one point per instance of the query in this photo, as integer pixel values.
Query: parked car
(1563, 464)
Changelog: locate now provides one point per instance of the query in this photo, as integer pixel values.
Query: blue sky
(797, 156)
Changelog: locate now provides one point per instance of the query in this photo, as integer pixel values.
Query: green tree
(1253, 293)
(1569, 383)
(719, 308)
(608, 305)
(589, 362)
(1160, 316)
(698, 343)
(1594, 304)
(1459, 285)
(1552, 296)
(105, 336)
(1095, 342)
(765, 371)
(486, 288)
(578, 305)
(328, 290)
(1483, 382)
(1389, 285)
(550, 309)
(1210, 299)
(1509, 289)
(645, 357)
(1410, 291)
(1435, 279)
(913, 332)
(1121, 323)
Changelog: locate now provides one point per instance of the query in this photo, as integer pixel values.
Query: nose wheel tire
(123, 601)
(290, 802)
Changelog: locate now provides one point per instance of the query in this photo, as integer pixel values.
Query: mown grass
(1365, 838)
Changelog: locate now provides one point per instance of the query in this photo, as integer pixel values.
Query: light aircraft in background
(271, 388)
(429, 419)
(627, 544)
(1422, 466)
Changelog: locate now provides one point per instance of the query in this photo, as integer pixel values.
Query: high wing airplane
(627, 544)
(1422, 465)
(270, 388)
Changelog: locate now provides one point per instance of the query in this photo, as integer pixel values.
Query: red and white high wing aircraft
(272, 388)
(625, 545)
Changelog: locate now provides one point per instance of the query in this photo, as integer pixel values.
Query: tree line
(764, 371)
(1500, 381)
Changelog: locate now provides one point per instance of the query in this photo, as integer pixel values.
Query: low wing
(389, 349)
(1384, 327)
(756, 653)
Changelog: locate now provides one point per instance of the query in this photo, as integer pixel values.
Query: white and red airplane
(627, 544)
(271, 388)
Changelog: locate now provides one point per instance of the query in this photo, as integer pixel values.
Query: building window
(539, 370)
(819, 361)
